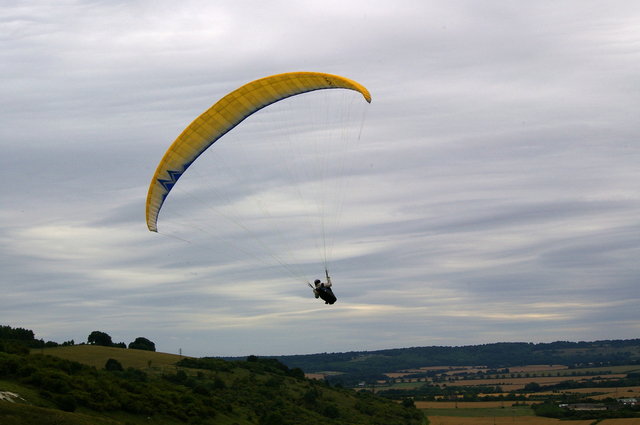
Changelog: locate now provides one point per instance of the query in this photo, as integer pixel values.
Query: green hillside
(20, 414)
(69, 385)
(370, 366)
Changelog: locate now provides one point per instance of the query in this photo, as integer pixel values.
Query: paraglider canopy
(222, 117)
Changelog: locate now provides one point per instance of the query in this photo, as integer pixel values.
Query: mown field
(97, 356)
(465, 405)
(477, 409)
(619, 392)
(523, 420)
(499, 413)
(516, 384)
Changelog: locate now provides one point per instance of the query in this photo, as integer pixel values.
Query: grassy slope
(97, 356)
(42, 411)
(34, 409)
(21, 414)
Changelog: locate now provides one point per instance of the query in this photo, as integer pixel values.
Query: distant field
(520, 420)
(95, 355)
(523, 420)
(507, 384)
(617, 392)
(481, 412)
(319, 376)
(448, 370)
(503, 412)
(498, 413)
(604, 369)
(465, 404)
(532, 370)
(537, 368)
(514, 384)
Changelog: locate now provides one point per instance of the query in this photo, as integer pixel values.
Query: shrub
(65, 402)
(331, 411)
(113, 365)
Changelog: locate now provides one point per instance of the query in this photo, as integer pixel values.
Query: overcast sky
(492, 195)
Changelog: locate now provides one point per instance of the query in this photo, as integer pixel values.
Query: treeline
(254, 364)
(104, 339)
(611, 409)
(631, 380)
(429, 392)
(20, 341)
(370, 366)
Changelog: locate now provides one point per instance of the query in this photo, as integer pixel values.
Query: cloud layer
(492, 194)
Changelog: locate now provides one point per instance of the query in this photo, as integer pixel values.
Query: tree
(100, 338)
(142, 343)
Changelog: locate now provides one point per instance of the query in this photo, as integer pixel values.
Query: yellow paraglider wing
(223, 116)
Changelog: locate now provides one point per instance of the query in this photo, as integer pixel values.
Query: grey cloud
(493, 195)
